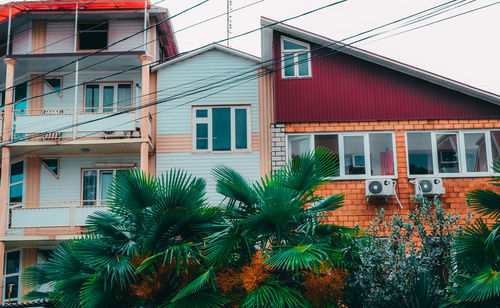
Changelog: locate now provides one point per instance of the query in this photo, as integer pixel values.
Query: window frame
(98, 183)
(87, 22)
(51, 88)
(341, 162)
(462, 160)
(296, 53)
(208, 121)
(17, 204)
(101, 85)
(50, 170)
(18, 274)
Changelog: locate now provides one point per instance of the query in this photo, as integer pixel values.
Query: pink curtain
(386, 163)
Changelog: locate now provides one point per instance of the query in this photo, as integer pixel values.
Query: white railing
(53, 214)
(62, 122)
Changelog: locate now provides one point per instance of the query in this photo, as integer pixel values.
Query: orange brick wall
(356, 209)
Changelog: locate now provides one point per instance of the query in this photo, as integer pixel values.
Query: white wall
(60, 36)
(21, 39)
(120, 29)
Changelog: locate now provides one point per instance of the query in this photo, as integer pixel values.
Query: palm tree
(148, 218)
(477, 252)
(281, 219)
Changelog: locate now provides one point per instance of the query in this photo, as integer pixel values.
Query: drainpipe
(77, 67)
(7, 52)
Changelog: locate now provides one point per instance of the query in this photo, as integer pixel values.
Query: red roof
(18, 7)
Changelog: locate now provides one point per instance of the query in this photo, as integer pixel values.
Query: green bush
(402, 262)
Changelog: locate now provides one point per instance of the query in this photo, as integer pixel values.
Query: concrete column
(145, 60)
(6, 136)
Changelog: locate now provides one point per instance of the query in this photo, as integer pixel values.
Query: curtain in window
(124, 95)
(387, 163)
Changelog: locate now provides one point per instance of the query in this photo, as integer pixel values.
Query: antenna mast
(229, 4)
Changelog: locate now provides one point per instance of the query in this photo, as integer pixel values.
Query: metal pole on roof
(145, 25)
(227, 22)
(77, 67)
(7, 52)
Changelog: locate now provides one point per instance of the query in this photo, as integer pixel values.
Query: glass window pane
(16, 172)
(55, 84)
(289, 65)
(330, 142)
(447, 151)
(16, 193)
(221, 129)
(108, 98)
(89, 186)
(381, 154)
(495, 144)
(106, 178)
(21, 92)
(298, 144)
(11, 287)
(52, 164)
(291, 45)
(201, 113)
(475, 152)
(354, 155)
(419, 153)
(124, 95)
(241, 128)
(91, 98)
(303, 61)
(12, 265)
(201, 136)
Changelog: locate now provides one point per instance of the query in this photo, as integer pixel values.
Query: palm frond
(222, 244)
(201, 299)
(207, 279)
(305, 256)
(233, 186)
(273, 295)
(180, 254)
(485, 202)
(133, 190)
(481, 288)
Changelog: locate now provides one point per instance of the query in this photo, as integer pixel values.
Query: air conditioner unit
(379, 187)
(429, 186)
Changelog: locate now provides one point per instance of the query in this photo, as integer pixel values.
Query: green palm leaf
(201, 299)
(272, 295)
(481, 288)
(177, 254)
(306, 256)
(207, 279)
(485, 202)
(233, 186)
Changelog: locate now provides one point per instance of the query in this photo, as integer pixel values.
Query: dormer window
(92, 36)
(296, 58)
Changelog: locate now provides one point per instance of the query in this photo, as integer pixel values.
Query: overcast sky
(465, 48)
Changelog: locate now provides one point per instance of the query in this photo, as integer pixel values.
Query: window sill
(295, 77)
(455, 175)
(223, 152)
(364, 178)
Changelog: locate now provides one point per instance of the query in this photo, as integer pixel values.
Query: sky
(464, 48)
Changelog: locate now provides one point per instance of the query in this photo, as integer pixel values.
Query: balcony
(52, 214)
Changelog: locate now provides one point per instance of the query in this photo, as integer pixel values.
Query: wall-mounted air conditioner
(429, 186)
(379, 187)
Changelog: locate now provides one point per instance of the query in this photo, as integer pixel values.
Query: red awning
(18, 7)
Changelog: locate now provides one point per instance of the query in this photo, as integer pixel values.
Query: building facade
(76, 110)
(395, 129)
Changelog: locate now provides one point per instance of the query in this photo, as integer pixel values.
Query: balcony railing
(53, 214)
(61, 123)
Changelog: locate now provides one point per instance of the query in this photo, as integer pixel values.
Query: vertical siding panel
(118, 29)
(21, 40)
(59, 37)
(38, 37)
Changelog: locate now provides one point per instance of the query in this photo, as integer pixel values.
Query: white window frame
(462, 161)
(208, 121)
(98, 184)
(15, 183)
(5, 276)
(100, 108)
(295, 53)
(341, 163)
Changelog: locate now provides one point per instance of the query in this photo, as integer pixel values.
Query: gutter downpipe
(7, 52)
(77, 67)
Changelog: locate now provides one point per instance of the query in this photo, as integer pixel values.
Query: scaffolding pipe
(75, 106)
(145, 25)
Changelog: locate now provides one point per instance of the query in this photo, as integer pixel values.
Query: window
(221, 129)
(95, 185)
(108, 97)
(93, 35)
(20, 98)
(296, 60)
(52, 164)
(451, 152)
(360, 155)
(16, 182)
(12, 273)
(54, 84)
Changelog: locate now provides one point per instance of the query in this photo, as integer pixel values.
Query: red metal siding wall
(346, 88)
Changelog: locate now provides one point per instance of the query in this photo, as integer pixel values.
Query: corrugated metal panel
(59, 37)
(68, 186)
(345, 88)
(174, 116)
(118, 29)
(200, 165)
(21, 40)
